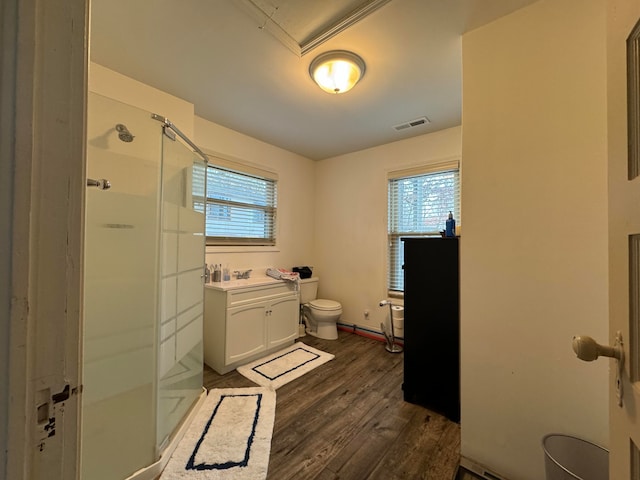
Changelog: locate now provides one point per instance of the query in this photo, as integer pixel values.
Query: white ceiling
(226, 61)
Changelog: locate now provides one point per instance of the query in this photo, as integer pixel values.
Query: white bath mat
(229, 439)
(281, 367)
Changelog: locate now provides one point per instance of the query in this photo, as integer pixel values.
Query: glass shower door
(143, 290)
(120, 290)
(180, 358)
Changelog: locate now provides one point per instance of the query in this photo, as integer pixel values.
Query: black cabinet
(432, 324)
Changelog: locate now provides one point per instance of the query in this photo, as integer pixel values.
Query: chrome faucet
(242, 275)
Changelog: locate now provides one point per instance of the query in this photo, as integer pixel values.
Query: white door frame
(43, 103)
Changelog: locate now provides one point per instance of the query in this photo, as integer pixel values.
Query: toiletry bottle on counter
(207, 274)
(217, 274)
(450, 229)
(226, 276)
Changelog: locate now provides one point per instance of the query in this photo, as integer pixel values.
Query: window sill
(395, 294)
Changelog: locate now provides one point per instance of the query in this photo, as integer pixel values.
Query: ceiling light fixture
(337, 71)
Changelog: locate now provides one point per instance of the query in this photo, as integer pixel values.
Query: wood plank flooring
(347, 420)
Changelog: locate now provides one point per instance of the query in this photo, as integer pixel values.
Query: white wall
(534, 243)
(296, 199)
(351, 220)
(127, 90)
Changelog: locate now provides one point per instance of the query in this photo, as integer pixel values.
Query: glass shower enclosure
(143, 294)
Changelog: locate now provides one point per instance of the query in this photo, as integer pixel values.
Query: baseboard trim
(479, 469)
(365, 332)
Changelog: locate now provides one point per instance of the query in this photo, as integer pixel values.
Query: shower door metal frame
(171, 126)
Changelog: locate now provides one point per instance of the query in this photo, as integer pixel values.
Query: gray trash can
(571, 458)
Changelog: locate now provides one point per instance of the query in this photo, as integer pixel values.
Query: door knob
(588, 349)
(102, 184)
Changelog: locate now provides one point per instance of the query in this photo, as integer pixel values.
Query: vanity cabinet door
(282, 321)
(246, 331)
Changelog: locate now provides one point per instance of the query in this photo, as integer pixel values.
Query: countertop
(254, 281)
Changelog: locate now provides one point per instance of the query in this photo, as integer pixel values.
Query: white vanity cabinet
(244, 321)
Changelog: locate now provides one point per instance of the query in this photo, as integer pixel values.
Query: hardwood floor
(347, 420)
(464, 474)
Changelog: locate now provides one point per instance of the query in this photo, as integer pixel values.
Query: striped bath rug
(230, 438)
(281, 367)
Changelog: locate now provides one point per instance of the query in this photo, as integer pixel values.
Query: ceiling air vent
(412, 123)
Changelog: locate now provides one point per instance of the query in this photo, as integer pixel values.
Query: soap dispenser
(450, 229)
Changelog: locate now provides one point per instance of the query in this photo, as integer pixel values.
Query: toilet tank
(308, 289)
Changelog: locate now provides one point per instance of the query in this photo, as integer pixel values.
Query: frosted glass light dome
(337, 71)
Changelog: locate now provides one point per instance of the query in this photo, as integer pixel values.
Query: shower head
(123, 133)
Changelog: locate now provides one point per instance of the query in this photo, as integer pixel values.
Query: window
(419, 203)
(241, 204)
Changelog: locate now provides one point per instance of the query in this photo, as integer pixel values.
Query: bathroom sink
(254, 281)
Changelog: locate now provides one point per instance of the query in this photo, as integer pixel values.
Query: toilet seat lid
(321, 304)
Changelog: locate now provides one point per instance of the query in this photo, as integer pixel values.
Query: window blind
(418, 205)
(240, 207)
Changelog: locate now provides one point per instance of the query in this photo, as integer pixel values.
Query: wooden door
(624, 237)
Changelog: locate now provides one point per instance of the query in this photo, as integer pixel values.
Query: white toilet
(319, 315)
